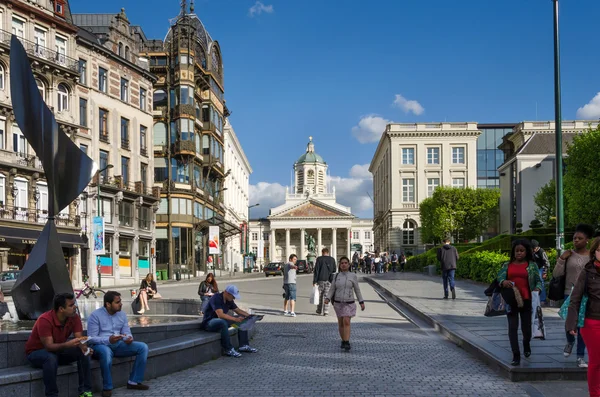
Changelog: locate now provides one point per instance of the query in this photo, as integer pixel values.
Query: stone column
(287, 245)
(272, 246)
(319, 242)
(349, 246)
(301, 254)
(334, 243)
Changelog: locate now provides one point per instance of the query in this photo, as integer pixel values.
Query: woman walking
(342, 291)
(520, 272)
(588, 283)
(206, 290)
(148, 290)
(571, 263)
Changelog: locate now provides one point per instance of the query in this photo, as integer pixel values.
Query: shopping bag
(314, 297)
(496, 306)
(537, 318)
(564, 309)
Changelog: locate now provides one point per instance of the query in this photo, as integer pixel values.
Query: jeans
(323, 291)
(543, 292)
(290, 291)
(591, 334)
(513, 326)
(204, 304)
(580, 341)
(49, 362)
(220, 325)
(448, 277)
(105, 354)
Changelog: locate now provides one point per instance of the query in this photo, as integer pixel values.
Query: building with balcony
(236, 198)
(112, 105)
(189, 117)
(410, 162)
(529, 164)
(46, 30)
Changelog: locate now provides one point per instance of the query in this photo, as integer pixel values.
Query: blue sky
(339, 70)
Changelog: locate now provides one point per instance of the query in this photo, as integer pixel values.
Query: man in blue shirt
(110, 336)
(216, 319)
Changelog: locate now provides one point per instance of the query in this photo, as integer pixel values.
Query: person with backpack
(322, 277)
(355, 262)
(394, 261)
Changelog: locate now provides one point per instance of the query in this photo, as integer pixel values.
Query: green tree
(545, 202)
(582, 181)
(461, 213)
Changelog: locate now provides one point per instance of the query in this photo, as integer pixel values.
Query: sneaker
(292, 314)
(568, 349)
(581, 363)
(286, 313)
(86, 394)
(453, 293)
(247, 349)
(343, 345)
(232, 353)
(347, 347)
(445, 297)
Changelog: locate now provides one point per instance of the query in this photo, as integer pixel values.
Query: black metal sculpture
(68, 171)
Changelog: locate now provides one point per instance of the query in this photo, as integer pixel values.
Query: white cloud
(354, 191)
(590, 111)
(370, 128)
(408, 105)
(258, 8)
(360, 171)
(268, 195)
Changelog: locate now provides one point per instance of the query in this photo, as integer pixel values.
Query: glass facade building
(489, 157)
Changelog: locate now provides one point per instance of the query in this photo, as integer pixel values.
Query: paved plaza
(301, 356)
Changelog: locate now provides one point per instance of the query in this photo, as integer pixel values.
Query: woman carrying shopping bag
(587, 293)
(520, 272)
(342, 291)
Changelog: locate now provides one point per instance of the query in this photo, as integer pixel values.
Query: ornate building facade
(114, 103)
(310, 213)
(46, 30)
(189, 118)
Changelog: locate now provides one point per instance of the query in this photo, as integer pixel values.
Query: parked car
(303, 266)
(8, 279)
(274, 269)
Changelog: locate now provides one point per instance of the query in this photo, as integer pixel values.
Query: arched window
(408, 233)
(63, 98)
(160, 134)
(159, 99)
(2, 77)
(120, 49)
(41, 87)
(127, 52)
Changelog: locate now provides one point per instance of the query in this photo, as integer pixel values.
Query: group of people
(378, 262)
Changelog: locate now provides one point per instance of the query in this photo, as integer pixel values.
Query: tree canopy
(461, 213)
(545, 202)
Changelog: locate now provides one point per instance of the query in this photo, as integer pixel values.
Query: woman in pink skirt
(342, 291)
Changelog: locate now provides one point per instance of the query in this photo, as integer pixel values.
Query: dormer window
(59, 7)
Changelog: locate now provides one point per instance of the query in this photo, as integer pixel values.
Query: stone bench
(164, 357)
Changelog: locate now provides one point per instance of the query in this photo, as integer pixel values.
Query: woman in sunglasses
(342, 291)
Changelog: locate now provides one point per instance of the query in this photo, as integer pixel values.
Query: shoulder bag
(557, 286)
(564, 309)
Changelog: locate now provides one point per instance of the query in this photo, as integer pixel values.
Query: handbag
(496, 306)
(564, 309)
(136, 305)
(557, 286)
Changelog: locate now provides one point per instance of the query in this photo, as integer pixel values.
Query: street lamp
(100, 171)
(560, 227)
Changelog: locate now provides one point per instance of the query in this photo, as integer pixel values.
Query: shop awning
(226, 229)
(28, 236)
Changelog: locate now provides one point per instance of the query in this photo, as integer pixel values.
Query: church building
(310, 216)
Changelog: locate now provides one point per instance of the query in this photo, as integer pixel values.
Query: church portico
(288, 239)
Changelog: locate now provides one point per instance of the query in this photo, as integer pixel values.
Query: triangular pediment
(312, 209)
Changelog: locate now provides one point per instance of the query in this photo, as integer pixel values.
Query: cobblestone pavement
(301, 357)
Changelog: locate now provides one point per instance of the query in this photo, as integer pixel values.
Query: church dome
(310, 156)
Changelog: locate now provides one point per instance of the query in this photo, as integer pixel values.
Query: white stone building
(410, 162)
(236, 197)
(310, 209)
(529, 164)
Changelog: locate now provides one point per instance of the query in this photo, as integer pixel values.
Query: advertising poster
(98, 235)
(213, 240)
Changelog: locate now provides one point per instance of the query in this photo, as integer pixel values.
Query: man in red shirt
(47, 346)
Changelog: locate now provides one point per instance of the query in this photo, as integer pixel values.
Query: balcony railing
(125, 220)
(104, 137)
(20, 159)
(184, 147)
(37, 216)
(144, 224)
(144, 152)
(43, 53)
(125, 143)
